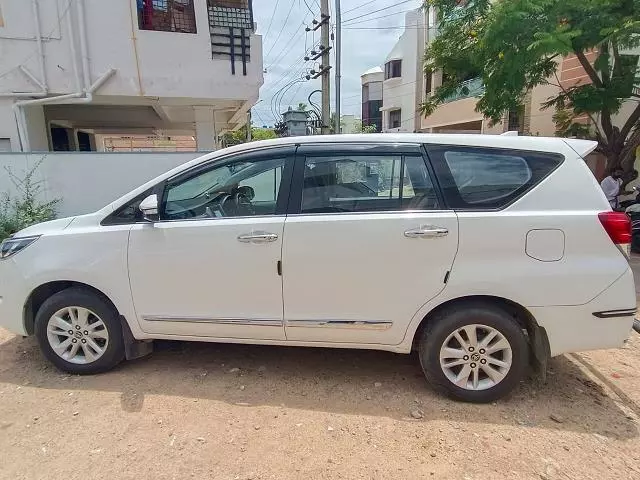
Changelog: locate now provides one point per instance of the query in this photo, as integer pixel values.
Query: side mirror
(149, 208)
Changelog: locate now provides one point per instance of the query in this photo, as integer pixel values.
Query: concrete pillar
(36, 128)
(206, 140)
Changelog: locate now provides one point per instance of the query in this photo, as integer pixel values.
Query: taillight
(617, 225)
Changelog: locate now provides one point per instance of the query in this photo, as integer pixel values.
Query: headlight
(11, 246)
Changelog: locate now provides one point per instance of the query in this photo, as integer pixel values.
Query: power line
(288, 70)
(381, 28)
(275, 9)
(253, 110)
(376, 11)
(308, 7)
(294, 36)
(376, 18)
(282, 29)
(360, 6)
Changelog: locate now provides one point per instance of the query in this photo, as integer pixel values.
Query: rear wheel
(475, 353)
(79, 332)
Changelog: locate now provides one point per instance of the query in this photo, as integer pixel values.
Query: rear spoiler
(581, 147)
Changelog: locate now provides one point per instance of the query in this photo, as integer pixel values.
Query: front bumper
(13, 295)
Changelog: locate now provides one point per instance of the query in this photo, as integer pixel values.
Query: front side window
(167, 15)
(481, 178)
(128, 213)
(242, 188)
(366, 183)
(395, 118)
(393, 69)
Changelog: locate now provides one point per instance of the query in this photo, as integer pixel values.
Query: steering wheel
(242, 197)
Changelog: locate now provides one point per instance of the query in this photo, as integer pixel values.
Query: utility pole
(338, 45)
(326, 59)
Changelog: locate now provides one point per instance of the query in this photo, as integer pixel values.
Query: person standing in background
(611, 186)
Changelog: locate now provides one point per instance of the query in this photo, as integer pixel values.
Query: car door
(366, 244)
(209, 266)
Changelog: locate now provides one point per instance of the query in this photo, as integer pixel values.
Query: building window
(393, 69)
(167, 15)
(395, 118)
(230, 13)
(515, 121)
(427, 82)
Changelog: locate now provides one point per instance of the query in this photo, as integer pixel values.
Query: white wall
(403, 92)
(86, 182)
(171, 64)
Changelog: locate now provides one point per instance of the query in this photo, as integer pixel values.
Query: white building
(403, 78)
(350, 124)
(73, 69)
(371, 81)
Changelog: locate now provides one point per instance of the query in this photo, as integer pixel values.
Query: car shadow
(331, 380)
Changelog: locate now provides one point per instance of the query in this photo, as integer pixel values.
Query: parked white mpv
(483, 253)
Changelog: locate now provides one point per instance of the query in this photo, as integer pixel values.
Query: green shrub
(26, 208)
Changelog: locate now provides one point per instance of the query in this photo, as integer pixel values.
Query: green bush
(25, 209)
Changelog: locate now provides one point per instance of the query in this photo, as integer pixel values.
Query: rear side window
(489, 178)
(366, 183)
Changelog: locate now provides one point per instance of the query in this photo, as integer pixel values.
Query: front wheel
(474, 353)
(79, 332)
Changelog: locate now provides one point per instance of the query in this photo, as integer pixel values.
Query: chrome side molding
(355, 324)
(261, 322)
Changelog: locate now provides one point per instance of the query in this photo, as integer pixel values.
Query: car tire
(79, 331)
(446, 361)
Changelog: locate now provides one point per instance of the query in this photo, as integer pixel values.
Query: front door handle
(258, 237)
(426, 231)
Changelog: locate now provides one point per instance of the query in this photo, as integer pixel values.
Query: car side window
(366, 183)
(233, 189)
(485, 177)
(489, 178)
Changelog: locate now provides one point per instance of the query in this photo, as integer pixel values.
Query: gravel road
(251, 412)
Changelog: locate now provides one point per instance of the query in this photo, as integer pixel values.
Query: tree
(238, 136)
(262, 133)
(362, 128)
(515, 45)
(302, 107)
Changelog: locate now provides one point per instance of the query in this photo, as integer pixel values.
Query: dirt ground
(251, 412)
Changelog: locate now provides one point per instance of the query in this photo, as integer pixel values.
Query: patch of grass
(25, 209)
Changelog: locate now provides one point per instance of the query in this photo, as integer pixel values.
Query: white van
(481, 252)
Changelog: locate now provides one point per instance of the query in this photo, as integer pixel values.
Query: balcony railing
(469, 88)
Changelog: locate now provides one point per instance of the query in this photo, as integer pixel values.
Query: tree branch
(599, 134)
(633, 119)
(617, 65)
(588, 68)
(604, 72)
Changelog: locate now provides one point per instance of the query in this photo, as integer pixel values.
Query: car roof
(550, 144)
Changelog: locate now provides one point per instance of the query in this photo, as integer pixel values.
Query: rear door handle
(426, 231)
(258, 237)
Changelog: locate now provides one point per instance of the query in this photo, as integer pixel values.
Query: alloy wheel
(476, 357)
(77, 335)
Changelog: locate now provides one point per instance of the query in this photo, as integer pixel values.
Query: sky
(366, 41)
